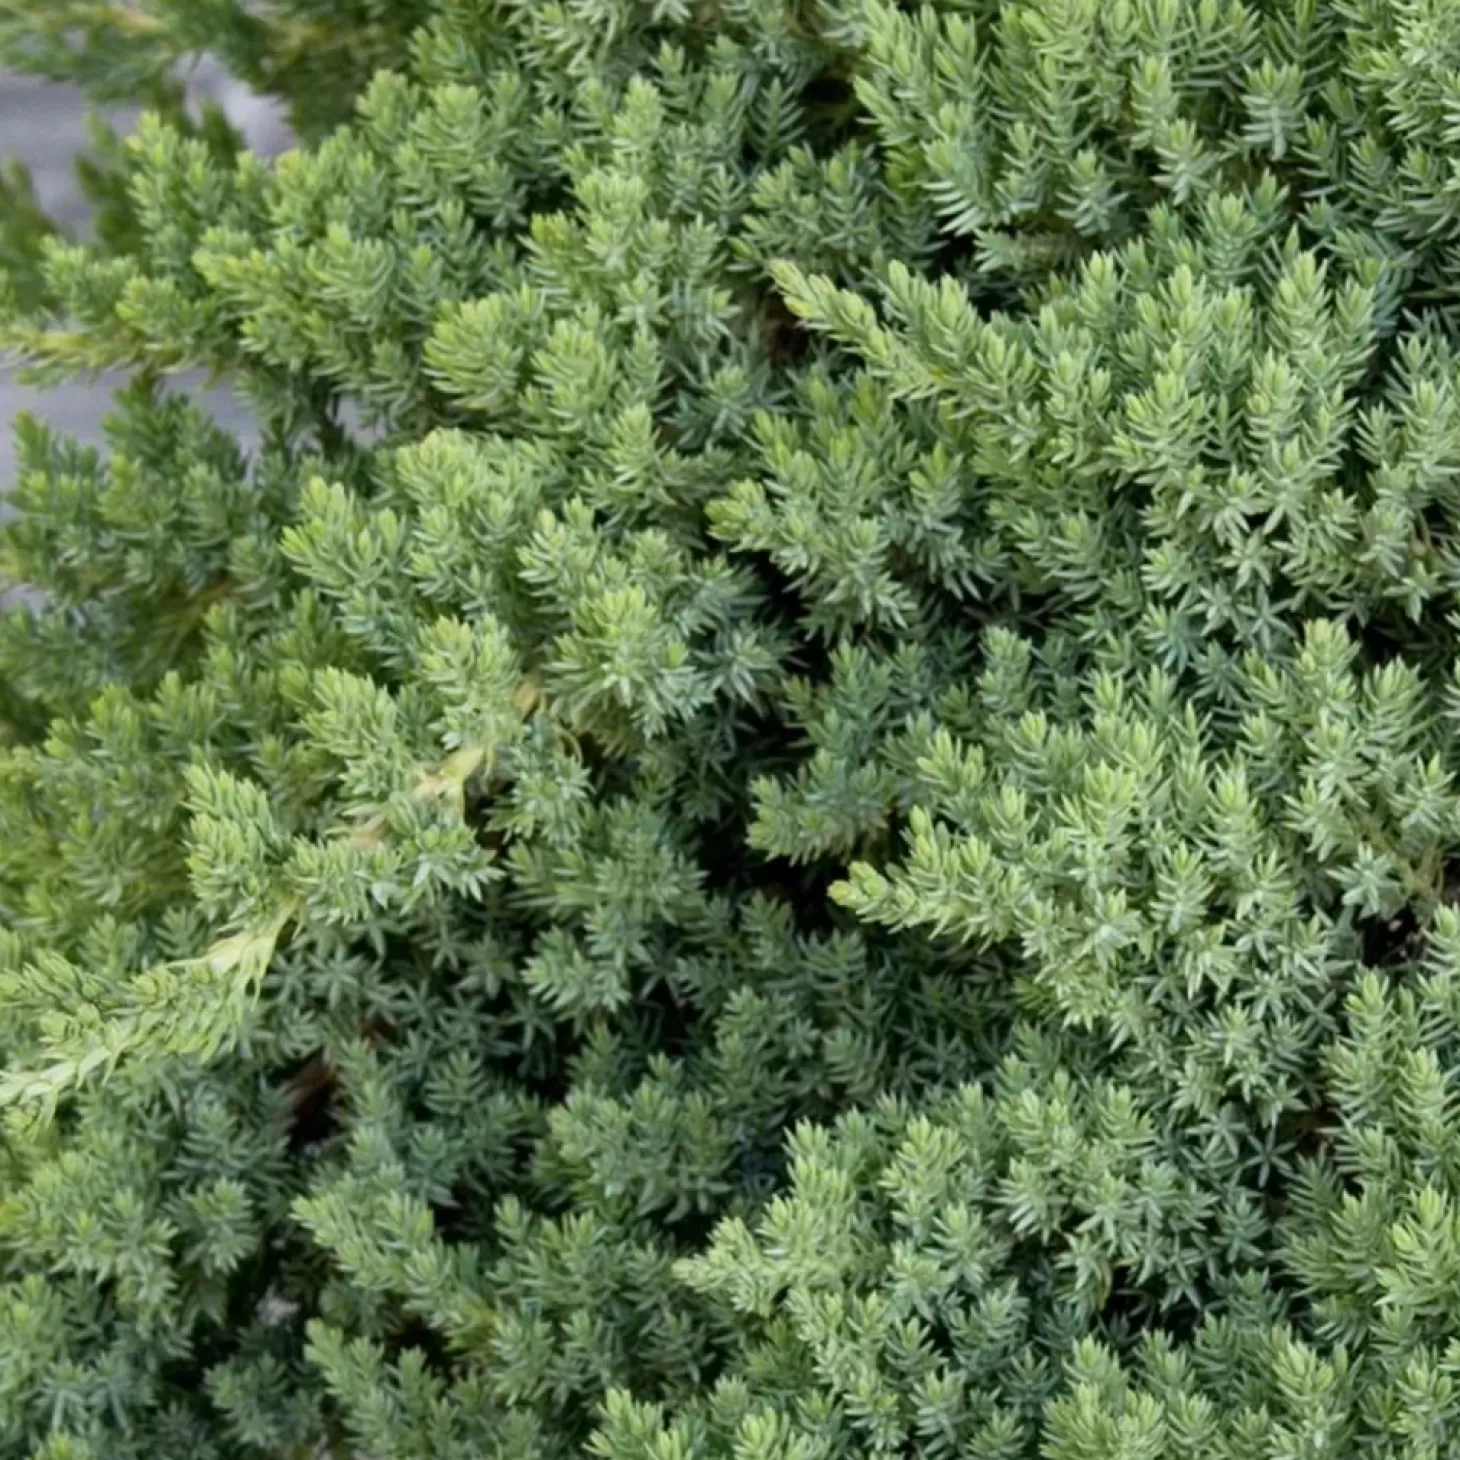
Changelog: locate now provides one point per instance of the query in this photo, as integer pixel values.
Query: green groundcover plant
(805, 802)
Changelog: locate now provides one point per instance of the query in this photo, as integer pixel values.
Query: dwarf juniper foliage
(805, 803)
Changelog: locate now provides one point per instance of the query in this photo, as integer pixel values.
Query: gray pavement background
(44, 125)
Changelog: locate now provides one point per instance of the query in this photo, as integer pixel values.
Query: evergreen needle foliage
(805, 804)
